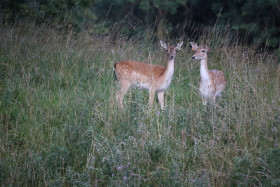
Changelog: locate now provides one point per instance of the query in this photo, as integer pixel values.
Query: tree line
(258, 20)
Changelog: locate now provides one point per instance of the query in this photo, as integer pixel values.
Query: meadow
(60, 124)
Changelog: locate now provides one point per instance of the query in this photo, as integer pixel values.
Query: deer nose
(171, 57)
(193, 57)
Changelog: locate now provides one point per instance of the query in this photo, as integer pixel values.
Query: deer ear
(194, 46)
(163, 44)
(207, 47)
(179, 45)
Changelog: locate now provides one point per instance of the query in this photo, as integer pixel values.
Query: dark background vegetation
(256, 20)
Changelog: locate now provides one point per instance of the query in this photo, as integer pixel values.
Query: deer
(154, 78)
(211, 82)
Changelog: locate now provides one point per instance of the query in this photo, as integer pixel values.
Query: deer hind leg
(125, 85)
(161, 99)
(151, 97)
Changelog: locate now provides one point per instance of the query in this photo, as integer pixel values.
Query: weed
(60, 123)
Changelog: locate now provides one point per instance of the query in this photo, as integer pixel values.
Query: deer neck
(204, 73)
(169, 70)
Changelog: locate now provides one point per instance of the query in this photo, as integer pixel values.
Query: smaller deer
(211, 82)
(154, 78)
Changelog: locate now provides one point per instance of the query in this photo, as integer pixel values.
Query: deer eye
(202, 51)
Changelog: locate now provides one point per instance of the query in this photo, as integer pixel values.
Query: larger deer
(154, 78)
(212, 82)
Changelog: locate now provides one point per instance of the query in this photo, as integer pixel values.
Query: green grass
(60, 124)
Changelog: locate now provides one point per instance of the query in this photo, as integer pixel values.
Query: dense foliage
(259, 20)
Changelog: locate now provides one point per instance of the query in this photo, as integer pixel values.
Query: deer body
(154, 78)
(212, 82)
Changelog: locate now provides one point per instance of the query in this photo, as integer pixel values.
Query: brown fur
(211, 82)
(154, 78)
(125, 68)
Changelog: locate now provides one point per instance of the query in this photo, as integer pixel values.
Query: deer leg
(120, 94)
(161, 99)
(151, 97)
(214, 99)
(204, 101)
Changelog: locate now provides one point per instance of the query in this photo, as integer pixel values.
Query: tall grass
(60, 124)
